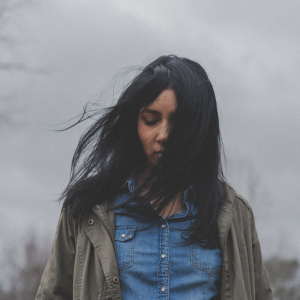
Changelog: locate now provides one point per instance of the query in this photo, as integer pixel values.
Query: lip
(158, 153)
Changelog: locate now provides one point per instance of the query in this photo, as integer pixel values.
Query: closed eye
(151, 123)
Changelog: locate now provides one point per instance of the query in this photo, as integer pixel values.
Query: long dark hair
(110, 150)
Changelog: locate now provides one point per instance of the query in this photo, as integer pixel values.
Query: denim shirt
(151, 263)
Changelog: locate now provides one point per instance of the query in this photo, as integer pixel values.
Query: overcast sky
(250, 49)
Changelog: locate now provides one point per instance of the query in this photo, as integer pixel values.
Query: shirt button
(132, 186)
(163, 226)
(123, 235)
(163, 289)
(163, 256)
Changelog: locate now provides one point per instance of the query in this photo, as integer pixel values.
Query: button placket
(163, 268)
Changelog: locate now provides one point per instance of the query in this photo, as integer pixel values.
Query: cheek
(145, 133)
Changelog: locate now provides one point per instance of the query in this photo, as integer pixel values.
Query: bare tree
(8, 16)
(25, 277)
(284, 278)
(10, 64)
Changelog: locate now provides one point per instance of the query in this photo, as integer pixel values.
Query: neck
(175, 206)
(141, 176)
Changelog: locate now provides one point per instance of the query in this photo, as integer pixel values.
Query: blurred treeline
(22, 277)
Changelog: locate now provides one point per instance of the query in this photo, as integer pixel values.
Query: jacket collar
(107, 215)
(100, 229)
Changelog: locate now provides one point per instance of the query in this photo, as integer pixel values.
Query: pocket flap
(124, 233)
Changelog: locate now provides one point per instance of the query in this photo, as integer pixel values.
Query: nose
(163, 133)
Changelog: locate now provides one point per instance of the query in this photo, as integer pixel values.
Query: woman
(147, 213)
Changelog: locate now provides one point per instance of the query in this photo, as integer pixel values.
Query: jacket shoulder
(233, 197)
(242, 210)
(236, 198)
(241, 199)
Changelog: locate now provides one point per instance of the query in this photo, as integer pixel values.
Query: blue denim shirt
(151, 263)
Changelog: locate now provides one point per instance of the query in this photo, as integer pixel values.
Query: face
(154, 124)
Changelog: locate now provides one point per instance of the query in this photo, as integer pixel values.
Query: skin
(153, 130)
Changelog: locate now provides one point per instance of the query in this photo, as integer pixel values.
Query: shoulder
(78, 189)
(66, 220)
(80, 197)
(242, 211)
(234, 198)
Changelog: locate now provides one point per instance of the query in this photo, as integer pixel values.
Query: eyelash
(151, 123)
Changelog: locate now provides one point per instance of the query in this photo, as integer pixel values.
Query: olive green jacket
(83, 263)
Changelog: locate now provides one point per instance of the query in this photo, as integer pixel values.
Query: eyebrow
(151, 111)
(155, 112)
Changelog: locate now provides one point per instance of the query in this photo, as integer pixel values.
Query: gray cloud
(249, 49)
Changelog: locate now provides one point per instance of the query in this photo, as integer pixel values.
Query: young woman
(147, 213)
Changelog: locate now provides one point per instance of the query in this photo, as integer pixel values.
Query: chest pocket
(206, 260)
(124, 242)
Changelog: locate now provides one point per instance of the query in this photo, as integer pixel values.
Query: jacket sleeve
(262, 287)
(57, 279)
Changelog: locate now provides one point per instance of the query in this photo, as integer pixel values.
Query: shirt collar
(187, 196)
(130, 183)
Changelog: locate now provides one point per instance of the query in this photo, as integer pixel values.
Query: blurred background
(55, 56)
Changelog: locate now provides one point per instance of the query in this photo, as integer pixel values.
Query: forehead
(165, 103)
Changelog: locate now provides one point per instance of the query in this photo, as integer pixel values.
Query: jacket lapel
(101, 234)
(225, 217)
